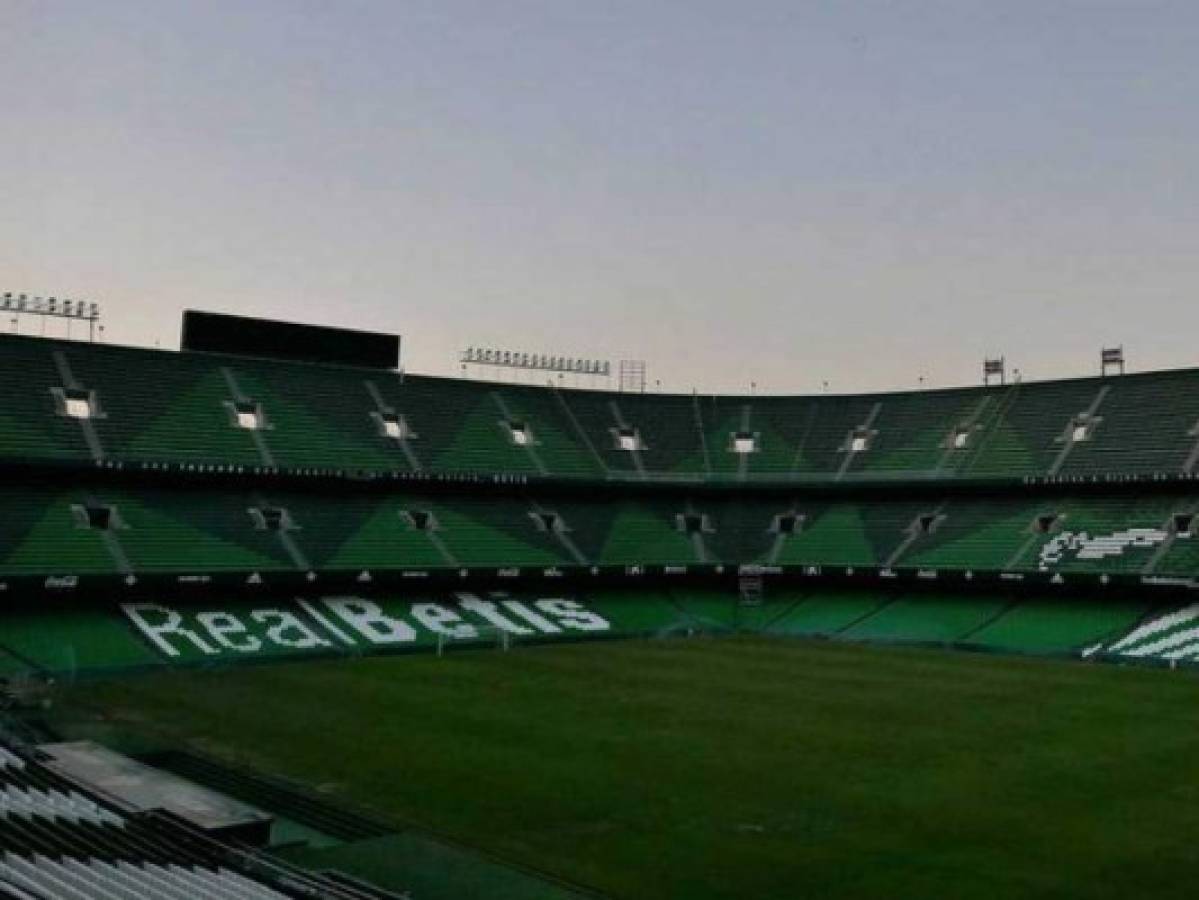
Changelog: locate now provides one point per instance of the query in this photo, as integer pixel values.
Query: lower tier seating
(155, 634)
(57, 843)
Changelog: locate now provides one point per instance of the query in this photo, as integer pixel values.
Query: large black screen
(220, 333)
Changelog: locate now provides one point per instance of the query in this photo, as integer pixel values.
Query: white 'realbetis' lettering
(288, 630)
(171, 624)
(324, 622)
(488, 611)
(440, 620)
(369, 620)
(573, 614)
(534, 619)
(222, 626)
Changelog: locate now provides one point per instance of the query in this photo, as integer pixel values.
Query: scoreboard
(243, 336)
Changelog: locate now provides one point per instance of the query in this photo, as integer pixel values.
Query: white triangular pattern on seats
(1187, 651)
(9, 760)
(1169, 642)
(1160, 624)
(41, 875)
(54, 804)
(77, 879)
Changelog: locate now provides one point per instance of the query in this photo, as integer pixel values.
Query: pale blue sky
(781, 192)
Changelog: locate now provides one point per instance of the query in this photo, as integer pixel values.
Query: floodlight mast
(535, 362)
(632, 376)
(1111, 358)
(17, 305)
(995, 367)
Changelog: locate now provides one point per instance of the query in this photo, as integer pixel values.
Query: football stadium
(492, 450)
(442, 637)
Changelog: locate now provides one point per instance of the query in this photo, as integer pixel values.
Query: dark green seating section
(826, 614)
(194, 531)
(837, 533)
(818, 429)
(1034, 625)
(1027, 437)
(1148, 423)
(157, 530)
(29, 424)
(67, 638)
(915, 430)
(978, 535)
(1057, 625)
(647, 612)
(160, 407)
(935, 618)
(39, 534)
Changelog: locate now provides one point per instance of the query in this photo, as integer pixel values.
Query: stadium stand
(145, 531)
(1057, 625)
(140, 406)
(105, 640)
(927, 618)
(827, 613)
(189, 479)
(59, 843)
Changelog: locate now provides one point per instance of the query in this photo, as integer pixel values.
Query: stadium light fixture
(520, 359)
(52, 307)
(995, 367)
(632, 376)
(1111, 358)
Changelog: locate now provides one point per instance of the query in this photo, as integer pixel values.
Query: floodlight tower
(1111, 358)
(995, 368)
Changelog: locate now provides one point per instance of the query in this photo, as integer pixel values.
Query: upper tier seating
(73, 402)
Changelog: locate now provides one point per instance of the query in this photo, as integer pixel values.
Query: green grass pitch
(733, 768)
